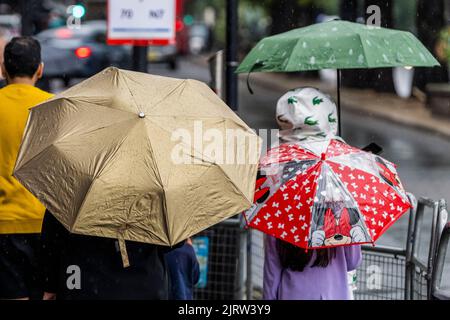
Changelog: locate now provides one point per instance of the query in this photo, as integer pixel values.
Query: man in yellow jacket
(21, 213)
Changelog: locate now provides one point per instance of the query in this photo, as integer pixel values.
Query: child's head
(307, 112)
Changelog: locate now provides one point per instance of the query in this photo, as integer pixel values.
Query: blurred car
(200, 38)
(163, 54)
(79, 53)
(12, 23)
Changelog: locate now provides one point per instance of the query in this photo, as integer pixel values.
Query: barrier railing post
(437, 292)
(409, 242)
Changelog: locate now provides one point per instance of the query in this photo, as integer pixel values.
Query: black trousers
(19, 272)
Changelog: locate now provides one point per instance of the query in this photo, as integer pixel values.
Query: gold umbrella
(138, 157)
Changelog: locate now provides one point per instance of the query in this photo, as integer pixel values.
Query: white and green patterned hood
(306, 113)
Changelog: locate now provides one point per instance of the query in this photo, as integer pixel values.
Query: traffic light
(78, 11)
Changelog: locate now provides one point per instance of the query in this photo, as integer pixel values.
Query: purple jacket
(316, 283)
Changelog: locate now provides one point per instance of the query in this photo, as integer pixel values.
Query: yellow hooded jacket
(20, 211)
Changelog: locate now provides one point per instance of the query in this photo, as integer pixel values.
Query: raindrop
(385, 58)
(327, 44)
(360, 59)
(368, 43)
(312, 60)
(350, 52)
(410, 50)
(261, 46)
(422, 57)
(334, 29)
(304, 44)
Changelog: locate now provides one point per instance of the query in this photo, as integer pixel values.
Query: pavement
(387, 106)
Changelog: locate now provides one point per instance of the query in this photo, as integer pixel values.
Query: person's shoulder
(43, 94)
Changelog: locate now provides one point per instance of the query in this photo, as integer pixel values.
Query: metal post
(216, 70)
(140, 58)
(409, 243)
(26, 8)
(339, 101)
(436, 291)
(231, 54)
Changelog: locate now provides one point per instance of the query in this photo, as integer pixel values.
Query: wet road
(423, 158)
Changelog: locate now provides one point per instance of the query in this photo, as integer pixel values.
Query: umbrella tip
(141, 115)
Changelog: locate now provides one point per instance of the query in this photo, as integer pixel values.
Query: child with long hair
(307, 116)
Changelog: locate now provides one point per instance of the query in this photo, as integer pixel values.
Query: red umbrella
(326, 194)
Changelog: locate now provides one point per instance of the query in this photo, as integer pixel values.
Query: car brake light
(64, 33)
(179, 25)
(83, 52)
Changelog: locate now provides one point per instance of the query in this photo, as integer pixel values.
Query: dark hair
(296, 258)
(22, 57)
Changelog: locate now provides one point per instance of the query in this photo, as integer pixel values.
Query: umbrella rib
(168, 94)
(125, 78)
(96, 177)
(291, 55)
(165, 215)
(364, 51)
(166, 130)
(347, 192)
(85, 100)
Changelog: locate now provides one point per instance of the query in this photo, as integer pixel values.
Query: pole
(140, 58)
(27, 7)
(339, 102)
(231, 54)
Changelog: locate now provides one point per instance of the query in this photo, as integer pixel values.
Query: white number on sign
(126, 13)
(158, 14)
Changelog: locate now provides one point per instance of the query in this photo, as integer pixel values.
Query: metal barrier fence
(381, 275)
(224, 279)
(440, 290)
(420, 259)
(236, 260)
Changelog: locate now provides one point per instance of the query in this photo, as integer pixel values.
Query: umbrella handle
(248, 84)
(256, 65)
(338, 86)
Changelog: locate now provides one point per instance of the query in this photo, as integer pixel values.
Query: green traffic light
(78, 11)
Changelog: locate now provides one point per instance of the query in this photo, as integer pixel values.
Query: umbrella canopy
(103, 157)
(337, 44)
(326, 194)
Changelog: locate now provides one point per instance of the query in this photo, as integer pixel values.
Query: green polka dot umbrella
(337, 45)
